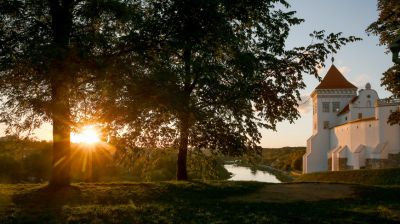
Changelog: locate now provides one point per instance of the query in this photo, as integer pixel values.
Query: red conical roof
(335, 80)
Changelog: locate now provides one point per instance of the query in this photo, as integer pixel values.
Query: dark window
(325, 106)
(335, 106)
(326, 124)
(359, 115)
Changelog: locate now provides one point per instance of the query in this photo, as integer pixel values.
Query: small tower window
(359, 115)
(369, 103)
(326, 124)
(325, 107)
(335, 106)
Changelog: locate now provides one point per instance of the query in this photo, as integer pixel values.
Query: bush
(160, 164)
(10, 169)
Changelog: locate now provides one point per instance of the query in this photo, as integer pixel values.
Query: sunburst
(88, 135)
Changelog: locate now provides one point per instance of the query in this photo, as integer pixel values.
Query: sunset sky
(360, 62)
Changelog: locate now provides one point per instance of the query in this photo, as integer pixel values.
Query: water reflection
(245, 173)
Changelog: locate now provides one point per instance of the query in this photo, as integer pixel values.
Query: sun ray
(88, 135)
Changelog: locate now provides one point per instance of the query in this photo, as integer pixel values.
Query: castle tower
(329, 98)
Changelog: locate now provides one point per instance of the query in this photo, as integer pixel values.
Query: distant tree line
(286, 158)
(27, 160)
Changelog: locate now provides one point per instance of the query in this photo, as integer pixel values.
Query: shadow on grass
(44, 205)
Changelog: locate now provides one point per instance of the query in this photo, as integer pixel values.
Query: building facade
(350, 129)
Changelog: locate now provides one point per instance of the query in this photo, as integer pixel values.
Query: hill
(199, 202)
(286, 158)
(368, 177)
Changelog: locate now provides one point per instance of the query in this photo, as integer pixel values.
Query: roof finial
(332, 59)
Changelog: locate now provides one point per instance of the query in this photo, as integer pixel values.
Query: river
(245, 173)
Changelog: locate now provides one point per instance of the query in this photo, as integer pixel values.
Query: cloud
(360, 80)
(344, 70)
(305, 104)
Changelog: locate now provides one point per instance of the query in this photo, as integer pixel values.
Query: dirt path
(298, 192)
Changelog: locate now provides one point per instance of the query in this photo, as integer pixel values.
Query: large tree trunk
(61, 14)
(181, 173)
(60, 175)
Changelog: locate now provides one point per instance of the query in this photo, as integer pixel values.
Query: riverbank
(281, 176)
(199, 202)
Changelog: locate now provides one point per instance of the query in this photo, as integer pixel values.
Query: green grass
(189, 202)
(368, 177)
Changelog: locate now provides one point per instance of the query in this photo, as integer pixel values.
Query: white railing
(388, 102)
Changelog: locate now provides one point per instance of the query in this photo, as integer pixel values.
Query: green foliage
(368, 177)
(50, 52)
(387, 27)
(160, 165)
(24, 160)
(45, 46)
(286, 158)
(190, 202)
(172, 74)
(10, 169)
(210, 73)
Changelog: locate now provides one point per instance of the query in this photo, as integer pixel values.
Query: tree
(210, 73)
(387, 27)
(49, 52)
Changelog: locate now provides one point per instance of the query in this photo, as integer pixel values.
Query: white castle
(350, 131)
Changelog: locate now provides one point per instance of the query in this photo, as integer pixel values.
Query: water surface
(246, 174)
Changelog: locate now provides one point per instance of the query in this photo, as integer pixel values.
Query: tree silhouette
(209, 74)
(50, 51)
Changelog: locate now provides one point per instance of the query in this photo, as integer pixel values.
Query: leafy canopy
(29, 55)
(387, 27)
(219, 69)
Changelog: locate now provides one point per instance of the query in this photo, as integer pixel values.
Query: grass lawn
(200, 202)
(367, 177)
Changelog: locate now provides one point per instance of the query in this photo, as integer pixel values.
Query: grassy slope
(189, 202)
(368, 177)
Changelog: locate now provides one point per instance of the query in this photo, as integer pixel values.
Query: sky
(360, 62)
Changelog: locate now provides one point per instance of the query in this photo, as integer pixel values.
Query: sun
(88, 135)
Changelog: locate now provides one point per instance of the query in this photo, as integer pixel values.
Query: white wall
(316, 158)
(364, 104)
(389, 133)
(356, 139)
